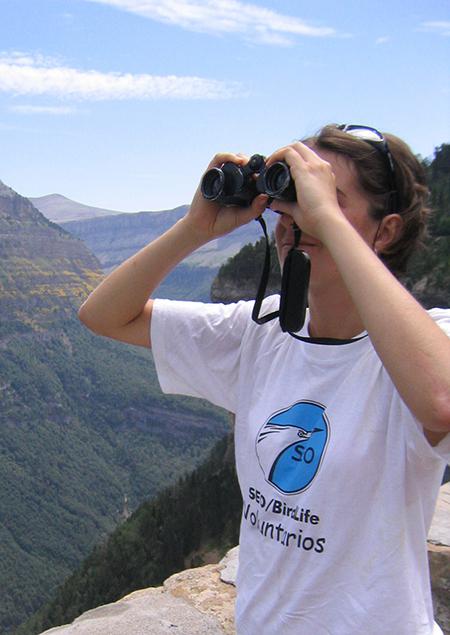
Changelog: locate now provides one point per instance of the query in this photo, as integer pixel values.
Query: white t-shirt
(338, 481)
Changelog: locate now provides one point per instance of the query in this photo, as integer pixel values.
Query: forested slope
(83, 422)
(175, 530)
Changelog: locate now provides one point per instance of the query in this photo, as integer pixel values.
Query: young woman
(341, 439)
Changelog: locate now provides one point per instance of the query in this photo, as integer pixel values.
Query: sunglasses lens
(367, 134)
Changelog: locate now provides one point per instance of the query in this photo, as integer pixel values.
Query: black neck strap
(298, 308)
(263, 282)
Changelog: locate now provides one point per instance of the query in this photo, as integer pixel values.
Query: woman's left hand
(315, 185)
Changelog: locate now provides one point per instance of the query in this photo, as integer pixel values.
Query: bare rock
(439, 558)
(439, 533)
(193, 601)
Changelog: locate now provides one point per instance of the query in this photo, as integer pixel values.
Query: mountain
(114, 238)
(44, 271)
(59, 208)
(84, 430)
(238, 278)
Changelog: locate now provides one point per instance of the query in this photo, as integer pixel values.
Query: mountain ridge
(60, 208)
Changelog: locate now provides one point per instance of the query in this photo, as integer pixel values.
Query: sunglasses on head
(377, 141)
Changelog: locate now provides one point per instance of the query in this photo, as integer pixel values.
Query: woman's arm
(120, 307)
(413, 349)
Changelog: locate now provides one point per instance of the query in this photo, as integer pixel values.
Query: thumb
(257, 207)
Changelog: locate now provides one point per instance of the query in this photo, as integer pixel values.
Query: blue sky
(122, 103)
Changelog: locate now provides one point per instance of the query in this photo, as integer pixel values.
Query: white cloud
(24, 74)
(43, 110)
(382, 40)
(251, 22)
(441, 27)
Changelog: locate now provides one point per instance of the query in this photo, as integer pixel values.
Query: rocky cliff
(114, 238)
(194, 602)
(201, 601)
(44, 271)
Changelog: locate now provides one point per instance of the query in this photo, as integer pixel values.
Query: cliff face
(114, 238)
(196, 601)
(44, 271)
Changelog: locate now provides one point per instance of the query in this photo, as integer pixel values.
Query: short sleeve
(197, 348)
(417, 439)
(442, 318)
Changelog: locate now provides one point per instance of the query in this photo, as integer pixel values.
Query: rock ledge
(199, 601)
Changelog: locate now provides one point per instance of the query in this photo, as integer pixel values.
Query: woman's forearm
(413, 349)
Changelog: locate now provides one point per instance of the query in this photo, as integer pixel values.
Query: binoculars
(233, 184)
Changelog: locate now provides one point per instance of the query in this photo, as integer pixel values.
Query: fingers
(223, 157)
(283, 207)
(297, 149)
(293, 153)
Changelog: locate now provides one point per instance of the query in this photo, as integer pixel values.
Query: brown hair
(372, 170)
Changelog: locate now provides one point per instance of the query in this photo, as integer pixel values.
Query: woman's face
(355, 207)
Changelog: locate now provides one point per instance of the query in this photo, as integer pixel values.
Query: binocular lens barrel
(213, 183)
(277, 179)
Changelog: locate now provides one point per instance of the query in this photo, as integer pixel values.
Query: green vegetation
(166, 534)
(82, 419)
(239, 277)
(83, 424)
(248, 262)
(429, 273)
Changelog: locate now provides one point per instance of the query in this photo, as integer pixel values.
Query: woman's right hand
(209, 219)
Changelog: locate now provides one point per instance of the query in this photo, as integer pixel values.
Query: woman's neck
(333, 315)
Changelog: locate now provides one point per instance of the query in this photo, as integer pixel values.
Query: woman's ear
(388, 232)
